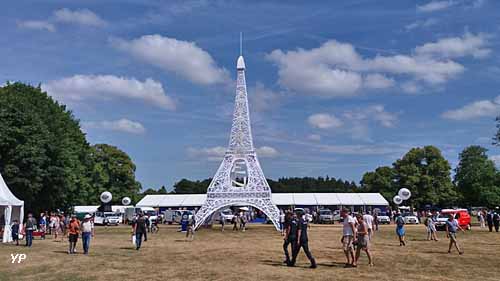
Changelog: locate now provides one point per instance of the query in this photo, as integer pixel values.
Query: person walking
(29, 227)
(363, 240)
(190, 229)
(302, 242)
(282, 222)
(222, 221)
(139, 230)
(15, 232)
(290, 230)
(400, 229)
(370, 223)
(348, 236)
(243, 221)
(480, 215)
(489, 220)
(431, 228)
(43, 224)
(451, 232)
(73, 232)
(236, 221)
(496, 220)
(87, 232)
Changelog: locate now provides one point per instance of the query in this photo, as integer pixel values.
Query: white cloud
(455, 47)
(78, 88)
(82, 17)
(314, 137)
(217, 153)
(378, 81)
(495, 158)
(337, 69)
(324, 121)
(121, 125)
(181, 57)
(267, 152)
(37, 25)
(421, 24)
(262, 98)
(478, 109)
(434, 6)
(376, 149)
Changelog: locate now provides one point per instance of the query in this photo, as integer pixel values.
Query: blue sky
(336, 87)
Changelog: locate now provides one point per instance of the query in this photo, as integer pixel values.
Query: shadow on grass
(273, 263)
(132, 248)
(332, 264)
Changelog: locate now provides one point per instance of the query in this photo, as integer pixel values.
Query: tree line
(47, 162)
(45, 158)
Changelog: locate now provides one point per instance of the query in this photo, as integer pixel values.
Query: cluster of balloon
(403, 194)
(126, 201)
(397, 200)
(106, 197)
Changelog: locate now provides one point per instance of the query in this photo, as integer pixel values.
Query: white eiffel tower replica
(239, 180)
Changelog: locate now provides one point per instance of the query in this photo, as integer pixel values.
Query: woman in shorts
(363, 241)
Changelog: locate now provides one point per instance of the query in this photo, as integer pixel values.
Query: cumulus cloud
(337, 69)
(217, 153)
(36, 25)
(324, 121)
(79, 88)
(477, 109)
(181, 57)
(434, 6)
(495, 158)
(81, 17)
(262, 98)
(121, 125)
(455, 47)
(356, 122)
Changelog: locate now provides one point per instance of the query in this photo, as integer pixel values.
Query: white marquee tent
(280, 199)
(11, 208)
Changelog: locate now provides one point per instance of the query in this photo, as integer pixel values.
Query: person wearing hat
(87, 233)
(74, 230)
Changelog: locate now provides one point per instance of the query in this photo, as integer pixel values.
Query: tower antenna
(241, 43)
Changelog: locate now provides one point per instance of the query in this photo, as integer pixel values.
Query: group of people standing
(492, 218)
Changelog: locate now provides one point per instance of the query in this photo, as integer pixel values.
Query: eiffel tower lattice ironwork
(239, 179)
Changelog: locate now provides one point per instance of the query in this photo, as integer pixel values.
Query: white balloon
(126, 201)
(404, 193)
(397, 200)
(106, 197)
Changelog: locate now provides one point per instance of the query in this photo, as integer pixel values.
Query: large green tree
(382, 181)
(43, 153)
(427, 174)
(476, 178)
(113, 171)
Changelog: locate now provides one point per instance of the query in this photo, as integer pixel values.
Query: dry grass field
(253, 255)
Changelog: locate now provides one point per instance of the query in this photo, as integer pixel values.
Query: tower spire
(241, 43)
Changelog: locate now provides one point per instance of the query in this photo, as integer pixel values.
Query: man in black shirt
(286, 237)
(139, 230)
(489, 219)
(302, 241)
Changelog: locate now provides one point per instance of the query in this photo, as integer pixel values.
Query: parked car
(383, 218)
(410, 218)
(461, 215)
(178, 215)
(325, 216)
(107, 218)
(226, 215)
(337, 217)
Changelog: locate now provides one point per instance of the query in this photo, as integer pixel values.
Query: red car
(461, 215)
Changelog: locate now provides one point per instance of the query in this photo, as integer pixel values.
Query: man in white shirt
(87, 232)
(369, 223)
(348, 236)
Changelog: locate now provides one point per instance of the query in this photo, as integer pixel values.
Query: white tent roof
(6, 196)
(327, 199)
(300, 199)
(85, 209)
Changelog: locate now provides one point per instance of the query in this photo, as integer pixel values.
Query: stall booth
(11, 208)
